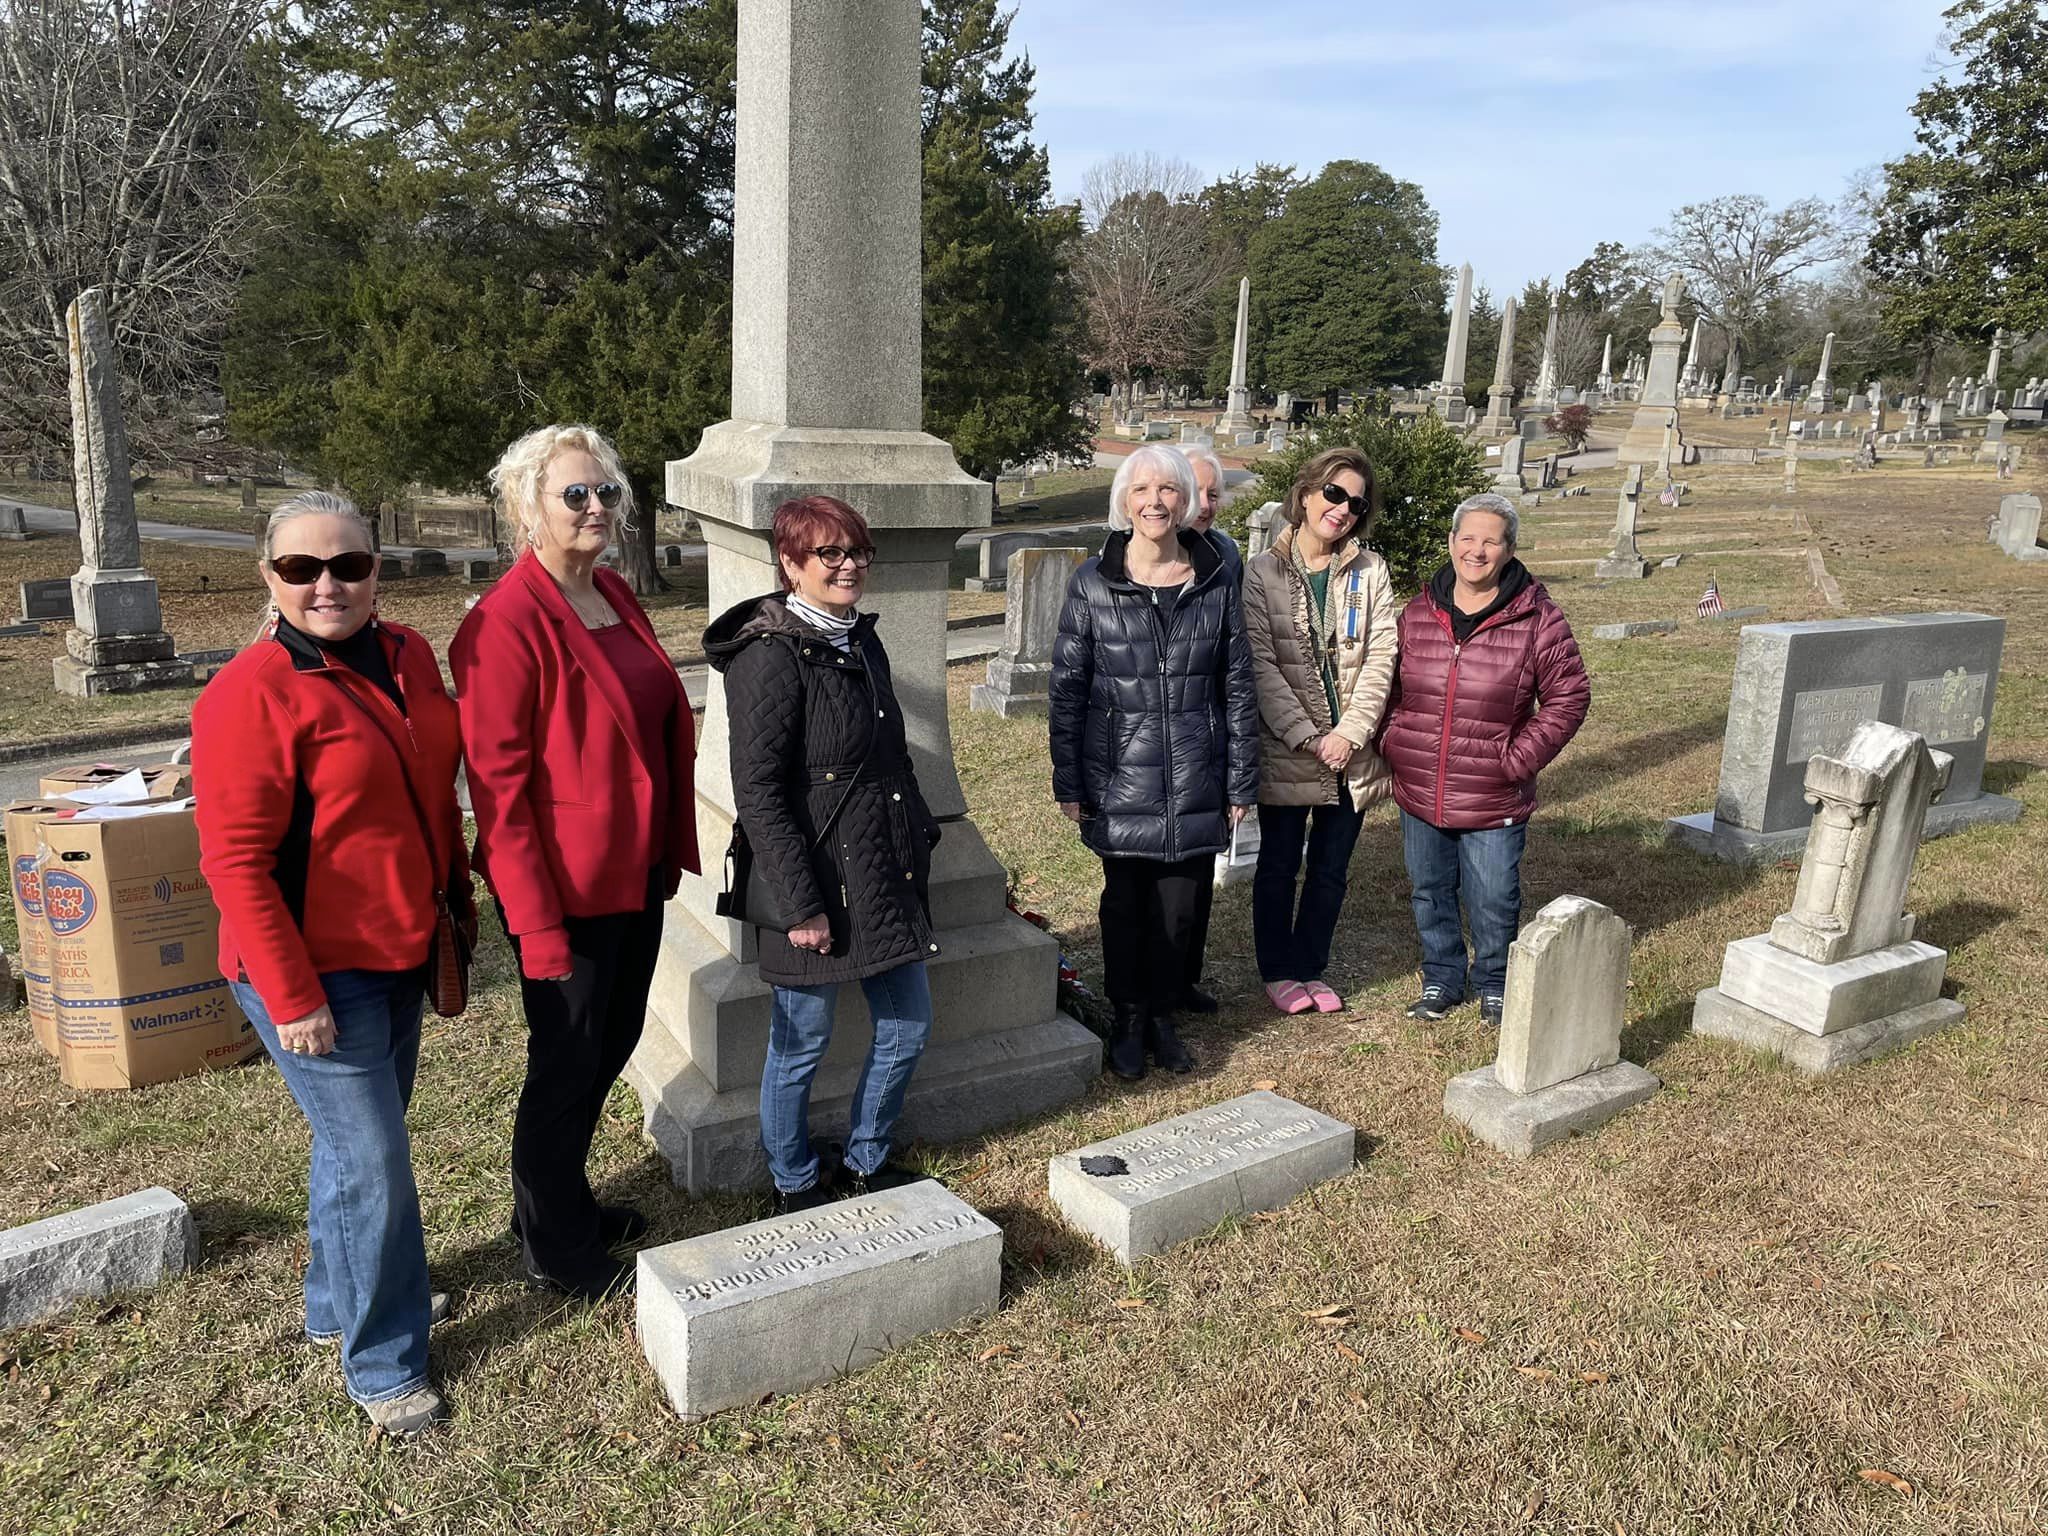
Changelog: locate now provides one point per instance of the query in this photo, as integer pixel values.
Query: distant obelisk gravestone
(1237, 411)
(117, 644)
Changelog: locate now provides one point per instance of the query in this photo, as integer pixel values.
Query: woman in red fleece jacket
(580, 751)
(324, 760)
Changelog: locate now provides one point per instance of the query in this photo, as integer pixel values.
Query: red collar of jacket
(539, 586)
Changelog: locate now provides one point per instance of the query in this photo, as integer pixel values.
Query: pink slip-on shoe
(1325, 1000)
(1289, 996)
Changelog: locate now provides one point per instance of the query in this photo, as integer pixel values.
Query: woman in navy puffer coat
(1490, 687)
(1155, 747)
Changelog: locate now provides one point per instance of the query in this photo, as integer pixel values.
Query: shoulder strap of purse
(404, 776)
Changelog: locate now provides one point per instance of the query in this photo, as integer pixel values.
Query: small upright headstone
(1625, 562)
(429, 562)
(248, 494)
(1840, 978)
(479, 572)
(671, 556)
(46, 599)
(2017, 528)
(1559, 1067)
(13, 523)
(1142, 1192)
(1261, 528)
(1020, 674)
(1508, 477)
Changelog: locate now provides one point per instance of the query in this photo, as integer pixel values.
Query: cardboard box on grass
(24, 879)
(133, 934)
(160, 781)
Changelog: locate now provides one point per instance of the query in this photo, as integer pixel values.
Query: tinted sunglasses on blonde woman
(303, 570)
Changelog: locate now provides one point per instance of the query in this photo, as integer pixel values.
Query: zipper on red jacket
(1443, 746)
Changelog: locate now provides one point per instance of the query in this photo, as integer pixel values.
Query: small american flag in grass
(1710, 600)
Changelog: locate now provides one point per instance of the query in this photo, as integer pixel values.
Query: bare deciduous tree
(125, 163)
(1146, 267)
(1738, 254)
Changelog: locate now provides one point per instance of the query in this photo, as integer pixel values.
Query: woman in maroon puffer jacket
(1490, 687)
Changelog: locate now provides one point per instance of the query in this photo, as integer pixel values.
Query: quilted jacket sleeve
(1278, 703)
(1073, 666)
(497, 689)
(1562, 689)
(1241, 708)
(764, 696)
(1370, 694)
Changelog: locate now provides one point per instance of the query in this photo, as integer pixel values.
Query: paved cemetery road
(56, 520)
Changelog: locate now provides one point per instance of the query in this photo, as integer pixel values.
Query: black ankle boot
(1127, 1044)
(1164, 1046)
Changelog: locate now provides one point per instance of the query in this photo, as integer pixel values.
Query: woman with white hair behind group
(1154, 739)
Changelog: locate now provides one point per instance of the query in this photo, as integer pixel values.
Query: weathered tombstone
(1625, 562)
(129, 1244)
(827, 391)
(1559, 1066)
(1802, 689)
(117, 642)
(46, 599)
(2017, 528)
(1840, 978)
(992, 559)
(1500, 414)
(429, 562)
(13, 523)
(1142, 1192)
(1508, 477)
(1994, 437)
(479, 572)
(780, 1305)
(1261, 528)
(1020, 674)
(671, 556)
(390, 568)
(1657, 406)
(248, 494)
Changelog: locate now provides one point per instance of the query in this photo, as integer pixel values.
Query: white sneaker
(412, 1414)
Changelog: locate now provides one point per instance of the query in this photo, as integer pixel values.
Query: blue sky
(1489, 105)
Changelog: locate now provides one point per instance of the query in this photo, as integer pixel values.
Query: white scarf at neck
(824, 621)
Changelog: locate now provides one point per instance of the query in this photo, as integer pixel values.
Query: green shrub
(1425, 469)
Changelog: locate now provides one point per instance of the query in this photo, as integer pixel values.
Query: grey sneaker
(1491, 1006)
(412, 1414)
(1434, 1003)
(437, 1314)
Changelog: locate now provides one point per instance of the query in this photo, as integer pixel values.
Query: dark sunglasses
(304, 570)
(576, 497)
(1337, 496)
(834, 557)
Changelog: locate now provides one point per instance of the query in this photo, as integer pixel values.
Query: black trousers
(1150, 916)
(579, 1035)
(1198, 942)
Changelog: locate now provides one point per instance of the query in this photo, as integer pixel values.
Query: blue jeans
(1484, 865)
(800, 1029)
(1294, 945)
(366, 1279)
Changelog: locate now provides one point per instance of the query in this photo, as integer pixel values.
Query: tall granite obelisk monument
(1500, 399)
(117, 643)
(1237, 405)
(1450, 388)
(826, 398)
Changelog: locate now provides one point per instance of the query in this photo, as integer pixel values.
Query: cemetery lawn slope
(1716, 1315)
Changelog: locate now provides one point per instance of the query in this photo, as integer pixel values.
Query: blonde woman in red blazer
(580, 751)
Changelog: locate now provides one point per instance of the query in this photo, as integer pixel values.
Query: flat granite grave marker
(1559, 1066)
(1252, 1153)
(129, 1244)
(1840, 978)
(780, 1305)
(1802, 689)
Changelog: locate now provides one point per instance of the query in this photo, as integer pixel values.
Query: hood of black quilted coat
(745, 622)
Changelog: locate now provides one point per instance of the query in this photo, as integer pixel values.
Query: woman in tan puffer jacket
(1320, 616)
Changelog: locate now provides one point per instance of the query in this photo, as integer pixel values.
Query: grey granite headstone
(1802, 689)
(992, 558)
(429, 562)
(129, 1244)
(2017, 528)
(13, 522)
(46, 599)
(1184, 1175)
(780, 1305)
(479, 572)
(1020, 674)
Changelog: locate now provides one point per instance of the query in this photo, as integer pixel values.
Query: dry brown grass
(1708, 1317)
